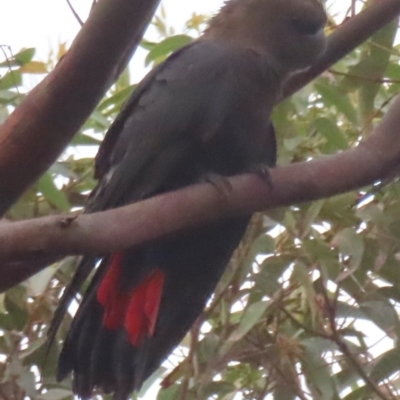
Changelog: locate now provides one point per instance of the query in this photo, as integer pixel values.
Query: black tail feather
(124, 356)
(83, 270)
(102, 374)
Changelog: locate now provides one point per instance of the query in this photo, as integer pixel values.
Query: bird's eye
(305, 27)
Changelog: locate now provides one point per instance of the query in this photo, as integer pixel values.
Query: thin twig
(364, 78)
(77, 17)
(194, 338)
(335, 337)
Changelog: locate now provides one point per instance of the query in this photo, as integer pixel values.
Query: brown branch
(350, 358)
(363, 78)
(38, 130)
(346, 38)
(108, 231)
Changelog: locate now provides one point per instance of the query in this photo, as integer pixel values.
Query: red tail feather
(141, 315)
(110, 296)
(136, 311)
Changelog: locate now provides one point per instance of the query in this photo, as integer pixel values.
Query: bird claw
(220, 182)
(262, 171)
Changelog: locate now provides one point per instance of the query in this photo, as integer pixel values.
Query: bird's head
(288, 32)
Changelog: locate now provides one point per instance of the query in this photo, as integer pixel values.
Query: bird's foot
(261, 170)
(220, 182)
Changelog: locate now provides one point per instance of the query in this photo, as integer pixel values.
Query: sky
(29, 23)
(44, 24)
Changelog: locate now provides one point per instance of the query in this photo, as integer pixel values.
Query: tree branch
(38, 130)
(121, 228)
(346, 38)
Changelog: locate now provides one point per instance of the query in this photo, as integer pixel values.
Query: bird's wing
(175, 109)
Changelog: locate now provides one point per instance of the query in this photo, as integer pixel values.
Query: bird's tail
(83, 270)
(110, 330)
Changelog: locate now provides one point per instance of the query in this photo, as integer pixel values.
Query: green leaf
(382, 313)
(388, 364)
(263, 244)
(32, 347)
(300, 274)
(56, 394)
(374, 63)
(26, 381)
(322, 253)
(117, 98)
(80, 139)
(317, 370)
(97, 121)
(16, 316)
(371, 213)
(171, 393)
(358, 393)
(293, 143)
(345, 378)
(147, 45)
(167, 46)
(350, 244)
(319, 345)
(284, 392)
(219, 388)
(6, 96)
(208, 347)
(310, 217)
(346, 310)
(21, 58)
(25, 56)
(390, 292)
(124, 80)
(271, 270)
(55, 196)
(392, 71)
(332, 96)
(335, 140)
(2, 306)
(251, 316)
(11, 80)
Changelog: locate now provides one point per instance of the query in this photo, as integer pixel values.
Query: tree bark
(117, 229)
(39, 129)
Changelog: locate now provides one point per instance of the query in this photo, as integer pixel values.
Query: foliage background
(307, 293)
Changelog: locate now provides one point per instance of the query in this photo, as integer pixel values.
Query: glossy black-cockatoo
(203, 112)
